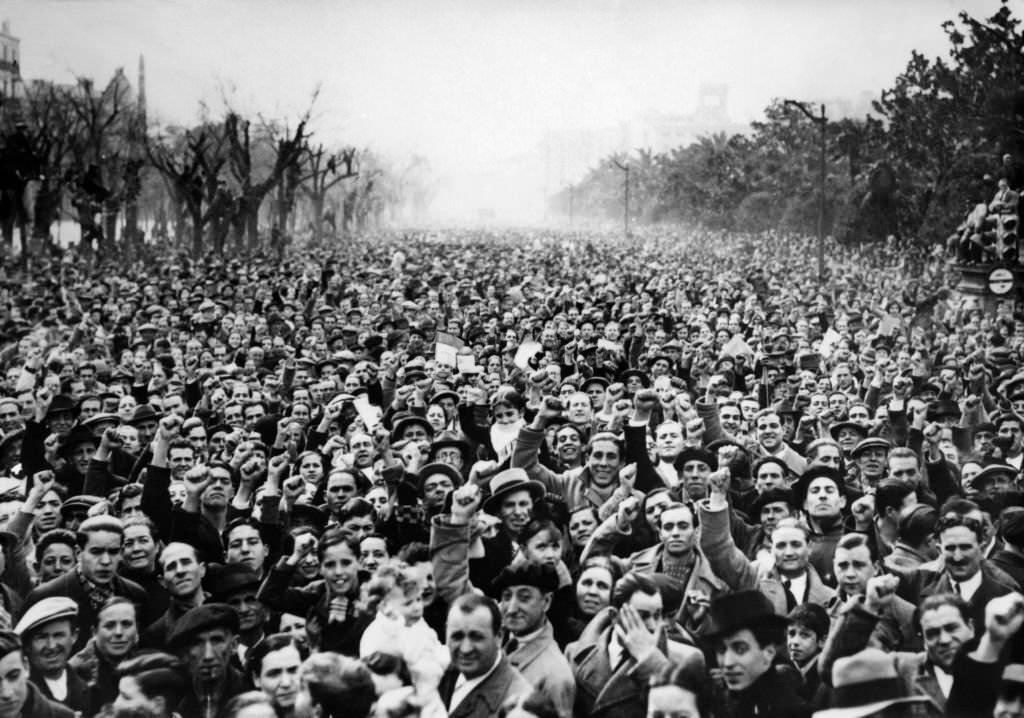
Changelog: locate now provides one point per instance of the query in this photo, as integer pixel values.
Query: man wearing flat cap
(524, 592)
(48, 632)
(20, 697)
(205, 639)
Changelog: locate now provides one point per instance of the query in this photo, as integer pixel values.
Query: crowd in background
(517, 473)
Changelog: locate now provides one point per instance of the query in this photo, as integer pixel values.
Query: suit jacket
(69, 585)
(895, 629)
(486, 699)
(77, 698)
(852, 633)
(543, 665)
(728, 562)
(620, 693)
(922, 584)
(1011, 563)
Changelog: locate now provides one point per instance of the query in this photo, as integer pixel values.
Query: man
(95, 577)
(870, 457)
(820, 492)
(273, 665)
(592, 484)
(965, 572)
(622, 648)
(854, 567)
(205, 639)
(945, 625)
(237, 585)
(47, 633)
(525, 591)
(748, 635)
(150, 684)
(181, 574)
(769, 432)
(245, 545)
(790, 582)
(676, 555)
(19, 697)
(480, 678)
(1011, 558)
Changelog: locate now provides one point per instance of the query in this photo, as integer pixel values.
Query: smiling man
(18, 695)
(47, 633)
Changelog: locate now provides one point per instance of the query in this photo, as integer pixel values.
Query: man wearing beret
(47, 633)
(20, 697)
(524, 592)
(95, 577)
(205, 639)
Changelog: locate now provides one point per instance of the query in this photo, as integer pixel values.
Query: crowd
(522, 474)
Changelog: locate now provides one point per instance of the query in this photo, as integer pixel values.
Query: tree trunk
(197, 233)
(316, 202)
(111, 213)
(252, 225)
(46, 203)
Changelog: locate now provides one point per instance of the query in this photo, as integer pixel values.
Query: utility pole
(822, 122)
(625, 192)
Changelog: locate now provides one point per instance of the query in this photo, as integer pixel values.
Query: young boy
(805, 637)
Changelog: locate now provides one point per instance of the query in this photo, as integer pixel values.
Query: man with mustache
(47, 633)
(205, 640)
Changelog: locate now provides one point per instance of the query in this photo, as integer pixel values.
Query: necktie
(338, 610)
(790, 598)
(511, 646)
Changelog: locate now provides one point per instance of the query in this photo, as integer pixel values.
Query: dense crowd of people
(525, 474)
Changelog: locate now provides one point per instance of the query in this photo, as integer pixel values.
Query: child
(395, 594)
(805, 636)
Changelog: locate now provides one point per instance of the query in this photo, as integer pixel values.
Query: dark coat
(77, 698)
(39, 706)
(69, 585)
(776, 694)
(1011, 563)
(486, 699)
(234, 684)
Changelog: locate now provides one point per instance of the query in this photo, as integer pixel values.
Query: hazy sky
(472, 83)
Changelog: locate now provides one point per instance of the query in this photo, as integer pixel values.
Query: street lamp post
(625, 191)
(822, 122)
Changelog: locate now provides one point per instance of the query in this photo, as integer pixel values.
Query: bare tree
(323, 171)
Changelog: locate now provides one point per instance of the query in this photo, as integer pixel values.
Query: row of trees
(232, 182)
(909, 168)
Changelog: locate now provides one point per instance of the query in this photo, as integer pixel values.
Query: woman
(55, 554)
(582, 523)
(677, 691)
(594, 587)
(114, 639)
(310, 466)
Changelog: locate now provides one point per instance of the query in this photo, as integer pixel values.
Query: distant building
(10, 57)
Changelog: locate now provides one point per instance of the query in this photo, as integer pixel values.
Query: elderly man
(47, 633)
(205, 639)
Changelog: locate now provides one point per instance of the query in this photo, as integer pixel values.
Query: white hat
(45, 611)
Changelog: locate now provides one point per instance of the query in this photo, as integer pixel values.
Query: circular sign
(1000, 281)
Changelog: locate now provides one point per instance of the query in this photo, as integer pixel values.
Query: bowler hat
(815, 472)
(201, 618)
(407, 421)
(510, 481)
(840, 425)
(437, 468)
(143, 413)
(224, 581)
(59, 404)
(735, 611)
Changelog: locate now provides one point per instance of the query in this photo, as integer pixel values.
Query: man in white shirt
(480, 678)
(48, 633)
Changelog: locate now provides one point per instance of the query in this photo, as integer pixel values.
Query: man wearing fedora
(747, 636)
(866, 685)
